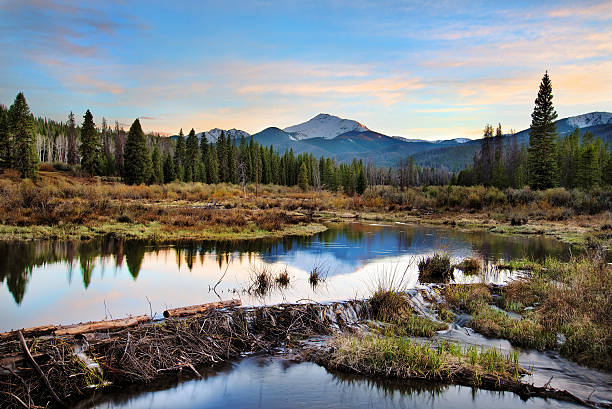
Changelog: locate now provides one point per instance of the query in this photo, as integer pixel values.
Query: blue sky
(417, 69)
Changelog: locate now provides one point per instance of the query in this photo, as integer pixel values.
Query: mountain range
(345, 139)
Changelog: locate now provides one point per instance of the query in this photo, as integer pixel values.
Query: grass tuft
(436, 268)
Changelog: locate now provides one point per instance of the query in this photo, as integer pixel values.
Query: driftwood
(198, 309)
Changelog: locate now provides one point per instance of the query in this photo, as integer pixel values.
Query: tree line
(135, 157)
(570, 161)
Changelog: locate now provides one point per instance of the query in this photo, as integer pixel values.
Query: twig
(25, 385)
(150, 309)
(222, 276)
(17, 399)
(40, 372)
(547, 384)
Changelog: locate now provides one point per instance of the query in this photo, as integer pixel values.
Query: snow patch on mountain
(214, 134)
(590, 119)
(324, 126)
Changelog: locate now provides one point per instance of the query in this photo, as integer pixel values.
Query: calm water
(273, 383)
(65, 282)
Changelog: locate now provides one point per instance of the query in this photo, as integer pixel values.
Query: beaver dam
(58, 366)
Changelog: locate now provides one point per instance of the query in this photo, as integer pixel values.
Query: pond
(59, 282)
(269, 382)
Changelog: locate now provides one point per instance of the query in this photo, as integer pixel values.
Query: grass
(283, 279)
(403, 358)
(520, 332)
(59, 198)
(317, 275)
(572, 298)
(388, 304)
(435, 268)
(264, 280)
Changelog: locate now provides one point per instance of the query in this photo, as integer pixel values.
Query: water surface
(268, 382)
(62, 282)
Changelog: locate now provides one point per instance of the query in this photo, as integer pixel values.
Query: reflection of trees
(18, 259)
(134, 254)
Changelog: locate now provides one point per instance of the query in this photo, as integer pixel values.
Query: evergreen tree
(212, 165)
(303, 177)
(119, 148)
(542, 134)
(179, 156)
(169, 175)
(192, 156)
(21, 128)
(222, 156)
(73, 154)
(137, 159)
(588, 169)
(607, 170)
(204, 157)
(361, 181)
(233, 162)
(6, 145)
(157, 174)
(89, 144)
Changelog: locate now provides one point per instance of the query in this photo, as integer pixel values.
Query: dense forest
(572, 161)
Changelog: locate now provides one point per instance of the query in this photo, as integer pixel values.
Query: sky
(431, 70)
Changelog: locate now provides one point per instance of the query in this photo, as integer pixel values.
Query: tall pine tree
(71, 134)
(21, 128)
(303, 177)
(137, 159)
(89, 144)
(169, 175)
(179, 156)
(157, 174)
(6, 145)
(542, 164)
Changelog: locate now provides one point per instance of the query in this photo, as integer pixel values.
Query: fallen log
(198, 309)
(113, 325)
(110, 325)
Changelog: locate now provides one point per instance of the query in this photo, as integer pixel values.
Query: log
(198, 309)
(96, 326)
(113, 325)
(34, 331)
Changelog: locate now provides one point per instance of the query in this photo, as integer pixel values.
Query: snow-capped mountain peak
(214, 134)
(590, 119)
(324, 126)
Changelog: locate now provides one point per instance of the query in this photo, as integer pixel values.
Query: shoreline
(113, 357)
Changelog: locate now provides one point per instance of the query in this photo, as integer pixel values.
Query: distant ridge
(345, 139)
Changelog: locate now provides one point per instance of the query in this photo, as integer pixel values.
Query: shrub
(558, 197)
(517, 219)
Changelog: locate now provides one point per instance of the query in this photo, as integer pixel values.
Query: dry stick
(222, 277)
(40, 372)
(27, 388)
(17, 398)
